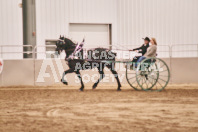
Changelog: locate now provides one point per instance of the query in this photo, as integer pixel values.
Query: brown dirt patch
(104, 109)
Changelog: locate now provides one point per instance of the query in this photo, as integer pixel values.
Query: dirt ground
(60, 108)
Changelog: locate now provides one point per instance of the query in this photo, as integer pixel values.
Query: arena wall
(26, 72)
(17, 72)
(184, 70)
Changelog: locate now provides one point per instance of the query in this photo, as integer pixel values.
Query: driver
(142, 49)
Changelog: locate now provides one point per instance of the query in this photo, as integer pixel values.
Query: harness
(77, 49)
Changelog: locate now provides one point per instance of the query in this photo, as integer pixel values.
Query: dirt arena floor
(60, 108)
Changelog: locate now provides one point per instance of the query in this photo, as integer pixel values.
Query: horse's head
(60, 44)
(65, 44)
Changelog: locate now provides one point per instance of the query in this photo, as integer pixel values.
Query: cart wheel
(152, 74)
(131, 77)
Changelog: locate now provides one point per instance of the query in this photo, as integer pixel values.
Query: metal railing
(14, 51)
(39, 52)
(184, 50)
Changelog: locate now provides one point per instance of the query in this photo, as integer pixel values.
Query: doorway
(96, 35)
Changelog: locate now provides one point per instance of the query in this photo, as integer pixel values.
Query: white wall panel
(170, 21)
(11, 27)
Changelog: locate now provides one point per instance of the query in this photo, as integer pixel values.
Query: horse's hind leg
(116, 76)
(102, 75)
(64, 73)
(80, 78)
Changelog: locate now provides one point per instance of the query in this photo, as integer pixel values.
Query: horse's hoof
(64, 82)
(94, 86)
(119, 89)
(81, 89)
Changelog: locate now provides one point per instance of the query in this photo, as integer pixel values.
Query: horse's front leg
(64, 73)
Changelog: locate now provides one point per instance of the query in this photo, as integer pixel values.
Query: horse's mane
(70, 42)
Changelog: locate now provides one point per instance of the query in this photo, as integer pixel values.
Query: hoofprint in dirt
(103, 109)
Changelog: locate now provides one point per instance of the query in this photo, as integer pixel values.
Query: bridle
(61, 41)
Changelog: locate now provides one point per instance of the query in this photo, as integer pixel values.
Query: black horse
(98, 57)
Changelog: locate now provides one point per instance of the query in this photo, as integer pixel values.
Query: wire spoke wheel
(154, 74)
(131, 77)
